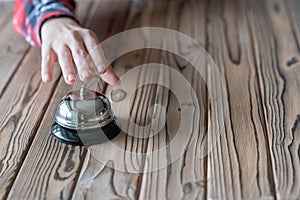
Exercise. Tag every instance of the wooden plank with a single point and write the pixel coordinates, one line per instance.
(59, 188)
(114, 183)
(117, 174)
(185, 177)
(112, 174)
(239, 167)
(117, 169)
(13, 48)
(49, 169)
(22, 106)
(292, 8)
(277, 55)
(260, 141)
(109, 17)
(6, 10)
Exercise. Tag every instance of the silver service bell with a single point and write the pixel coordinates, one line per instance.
(84, 117)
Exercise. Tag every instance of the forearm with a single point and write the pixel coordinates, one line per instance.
(29, 16)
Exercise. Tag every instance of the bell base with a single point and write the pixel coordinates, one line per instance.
(85, 137)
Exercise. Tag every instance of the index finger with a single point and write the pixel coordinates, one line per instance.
(96, 53)
(110, 77)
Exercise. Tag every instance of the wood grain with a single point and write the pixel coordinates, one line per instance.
(256, 46)
(239, 166)
(184, 177)
(292, 8)
(279, 77)
(6, 10)
(50, 167)
(13, 48)
(119, 174)
(25, 105)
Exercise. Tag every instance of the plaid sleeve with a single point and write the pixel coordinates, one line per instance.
(29, 16)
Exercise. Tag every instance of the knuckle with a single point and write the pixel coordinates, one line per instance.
(80, 58)
(64, 53)
(46, 60)
(66, 68)
(80, 52)
(91, 63)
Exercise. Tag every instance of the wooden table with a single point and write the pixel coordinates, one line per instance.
(256, 46)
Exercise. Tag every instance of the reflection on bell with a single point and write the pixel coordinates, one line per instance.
(84, 117)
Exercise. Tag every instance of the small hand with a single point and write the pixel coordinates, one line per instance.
(65, 41)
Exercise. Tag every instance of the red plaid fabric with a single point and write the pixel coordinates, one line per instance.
(29, 16)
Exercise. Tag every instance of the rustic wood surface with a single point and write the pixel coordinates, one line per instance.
(256, 46)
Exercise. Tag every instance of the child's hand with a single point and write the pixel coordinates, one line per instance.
(65, 41)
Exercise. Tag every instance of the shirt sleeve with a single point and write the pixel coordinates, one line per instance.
(29, 16)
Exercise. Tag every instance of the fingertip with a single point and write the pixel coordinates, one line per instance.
(86, 75)
(47, 63)
(46, 78)
(100, 69)
(118, 82)
(113, 82)
(70, 79)
(110, 77)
